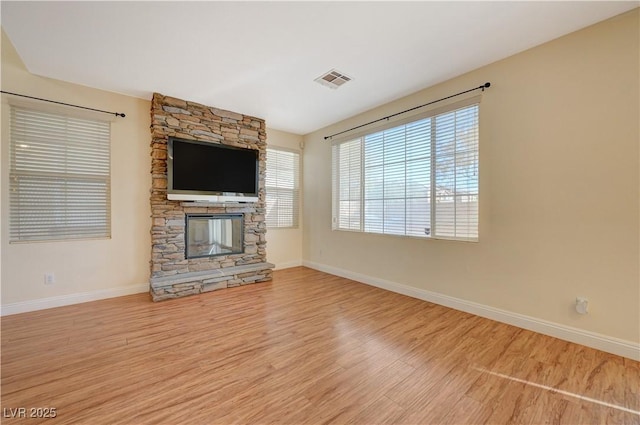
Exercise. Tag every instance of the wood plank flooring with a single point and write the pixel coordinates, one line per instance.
(307, 348)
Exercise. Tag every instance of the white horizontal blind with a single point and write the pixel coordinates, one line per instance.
(59, 177)
(347, 183)
(397, 180)
(456, 196)
(282, 186)
(417, 179)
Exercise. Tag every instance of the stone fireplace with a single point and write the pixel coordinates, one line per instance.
(199, 246)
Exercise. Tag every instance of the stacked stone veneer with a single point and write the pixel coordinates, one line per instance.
(172, 275)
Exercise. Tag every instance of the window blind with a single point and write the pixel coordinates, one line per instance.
(282, 186)
(456, 174)
(347, 166)
(59, 177)
(416, 179)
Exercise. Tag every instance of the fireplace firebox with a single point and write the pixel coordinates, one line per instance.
(210, 235)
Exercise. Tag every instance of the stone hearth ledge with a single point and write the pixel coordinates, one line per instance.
(179, 285)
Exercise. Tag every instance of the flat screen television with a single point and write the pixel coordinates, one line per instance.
(202, 171)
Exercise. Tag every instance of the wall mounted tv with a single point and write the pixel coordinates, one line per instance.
(202, 171)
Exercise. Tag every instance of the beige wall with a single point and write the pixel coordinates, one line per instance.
(83, 266)
(284, 246)
(559, 189)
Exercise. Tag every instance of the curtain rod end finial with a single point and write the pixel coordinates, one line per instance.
(487, 85)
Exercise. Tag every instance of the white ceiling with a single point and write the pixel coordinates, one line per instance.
(260, 58)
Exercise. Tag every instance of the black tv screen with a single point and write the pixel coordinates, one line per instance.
(203, 168)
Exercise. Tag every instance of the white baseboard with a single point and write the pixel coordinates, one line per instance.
(288, 264)
(62, 300)
(598, 341)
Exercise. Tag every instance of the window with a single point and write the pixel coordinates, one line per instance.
(417, 179)
(59, 177)
(282, 185)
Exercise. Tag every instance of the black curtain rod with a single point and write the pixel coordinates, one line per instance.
(117, 114)
(482, 87)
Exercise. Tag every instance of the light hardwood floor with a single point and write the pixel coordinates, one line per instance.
(307, 348)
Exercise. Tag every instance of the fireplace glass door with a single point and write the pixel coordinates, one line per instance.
(214, 234)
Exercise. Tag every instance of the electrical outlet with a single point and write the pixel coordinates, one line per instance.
(49, 278)
(582, 305)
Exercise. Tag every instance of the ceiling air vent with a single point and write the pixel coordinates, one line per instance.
(332, 79)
